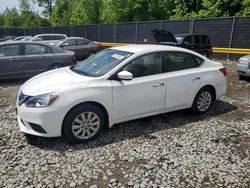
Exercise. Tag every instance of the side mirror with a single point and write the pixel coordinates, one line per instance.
(125, 75)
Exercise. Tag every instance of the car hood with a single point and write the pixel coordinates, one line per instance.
(161, 35)
(54, 81)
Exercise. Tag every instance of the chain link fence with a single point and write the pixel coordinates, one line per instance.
(229, 32)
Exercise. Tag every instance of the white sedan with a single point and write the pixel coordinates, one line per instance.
(116, 85)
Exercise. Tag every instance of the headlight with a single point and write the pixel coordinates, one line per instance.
(41, 101)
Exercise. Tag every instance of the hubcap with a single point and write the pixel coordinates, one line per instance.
(85, 125)
(204, 101)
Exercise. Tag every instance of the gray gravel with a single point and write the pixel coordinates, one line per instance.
(177, 149)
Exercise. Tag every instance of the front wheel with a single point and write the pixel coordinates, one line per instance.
(83, 123)
(203, 101)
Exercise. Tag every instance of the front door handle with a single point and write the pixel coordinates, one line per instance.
(159, 84)
(196, 78)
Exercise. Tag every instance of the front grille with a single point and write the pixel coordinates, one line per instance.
(22, 98)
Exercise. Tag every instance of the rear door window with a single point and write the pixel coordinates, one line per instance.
(36, 49)
(10, 50)
(70, 42)
(175, 61)
(82, 41)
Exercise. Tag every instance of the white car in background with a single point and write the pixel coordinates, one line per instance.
(49, 38)
(244, 66)
(116, 85)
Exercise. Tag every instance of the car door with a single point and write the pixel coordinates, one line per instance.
(145, 93)
(10, 63)
(84, 47)
(183, 77)
(69, 45)
(36, 58)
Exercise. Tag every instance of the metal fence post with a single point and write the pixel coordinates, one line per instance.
(99, 32)
(85, 31)
(191, 26)
(161, 24)
(115, 32)
(71, 31)
(231, 36)
(136, 32)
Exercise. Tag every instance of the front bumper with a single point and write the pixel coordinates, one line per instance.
(45, 122)
(243, 70)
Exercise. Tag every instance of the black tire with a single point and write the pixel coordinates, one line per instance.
(75, 116)
(241, 77)
(202, 106)
(55, 66)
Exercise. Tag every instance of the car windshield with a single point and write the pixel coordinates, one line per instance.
(101, 63)
(179, 39)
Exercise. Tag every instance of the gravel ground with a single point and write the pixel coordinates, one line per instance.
(177, 149)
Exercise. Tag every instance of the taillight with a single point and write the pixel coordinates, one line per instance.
(223, 71)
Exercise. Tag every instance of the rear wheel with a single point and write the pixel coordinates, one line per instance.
(203, 101)
(55, 66)
(83, 123)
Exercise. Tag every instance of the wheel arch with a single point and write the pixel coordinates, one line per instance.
(212, 88)
(99, 105)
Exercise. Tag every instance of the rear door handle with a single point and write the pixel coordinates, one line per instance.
(196, 78)
(159, 84)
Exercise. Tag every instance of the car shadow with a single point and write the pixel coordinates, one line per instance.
(137, 128)
(12, 82)
(247, 79)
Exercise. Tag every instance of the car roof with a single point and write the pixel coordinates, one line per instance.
(136, 48)
(75, 38)
(51, 34)
(190, 34)
(22, 42)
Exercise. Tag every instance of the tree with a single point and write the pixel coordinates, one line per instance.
(62, 13)
(245, 11)
(11, 18)
(47, 5)
(28, 17)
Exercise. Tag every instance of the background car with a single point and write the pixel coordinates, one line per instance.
(244, 66)
(21, 38)
(196, 42)
(49, 38)
(82, 47)
(6, 38)
(25, 59)
(117, 85)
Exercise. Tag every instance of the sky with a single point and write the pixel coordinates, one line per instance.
(14, 3)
